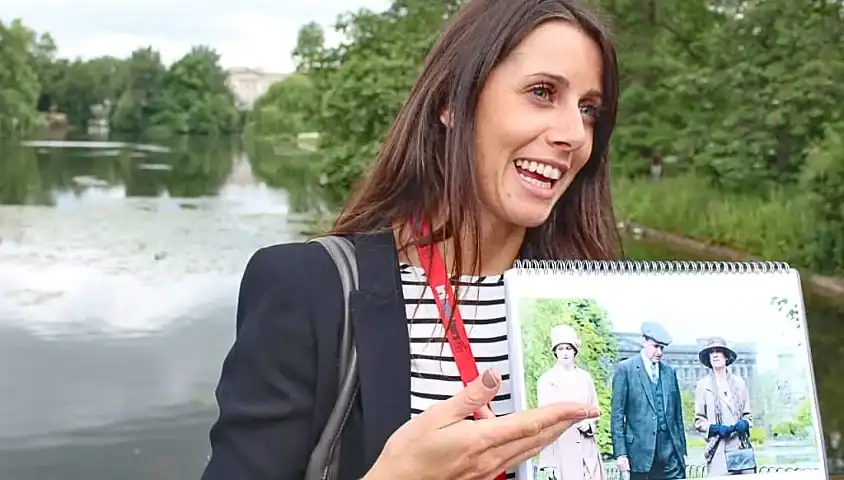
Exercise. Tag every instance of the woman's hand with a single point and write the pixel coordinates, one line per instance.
(441, 443)
(722, 431)
(742, 426)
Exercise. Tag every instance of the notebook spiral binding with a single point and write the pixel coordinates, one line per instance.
(649, 267)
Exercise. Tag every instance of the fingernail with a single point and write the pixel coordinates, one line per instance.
(490, 379)
(585, 413)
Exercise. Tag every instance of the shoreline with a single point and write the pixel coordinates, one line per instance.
(824, 285)
(827, 286)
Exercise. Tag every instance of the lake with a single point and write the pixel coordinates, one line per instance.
(119, 266)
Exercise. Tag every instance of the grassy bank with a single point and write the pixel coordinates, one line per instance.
(778, 227)
(774, 228)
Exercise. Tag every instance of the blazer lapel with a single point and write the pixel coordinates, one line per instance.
(647, 384)
(381, 337)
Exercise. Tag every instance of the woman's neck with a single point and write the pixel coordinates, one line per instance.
(499, 244)
(565, 366)
(720, 373)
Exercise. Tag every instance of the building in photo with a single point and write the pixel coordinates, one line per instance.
(684, 358)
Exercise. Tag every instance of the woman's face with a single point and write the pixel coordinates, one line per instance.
(565, 353)
(717, 359)
(535, 119)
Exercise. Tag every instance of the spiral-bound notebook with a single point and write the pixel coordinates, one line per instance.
(700, 369)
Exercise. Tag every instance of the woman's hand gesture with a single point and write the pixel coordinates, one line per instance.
(441, 443)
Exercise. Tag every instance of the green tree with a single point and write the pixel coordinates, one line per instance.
(142, 97)
(19, 86)
(598, 353)
(310, 47)
(767, 91)
(364, 80)
(75, 87)
(196, 97)
(657, 41)
(823, 181)
(735, 92)
(287, 109)
(43, 56)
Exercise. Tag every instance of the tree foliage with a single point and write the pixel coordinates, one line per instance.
(741, 94)
(800, 425)
(285, 110)
(136, 94)
(19, 85)
(189, 97)
(363, 81)
(598, 353)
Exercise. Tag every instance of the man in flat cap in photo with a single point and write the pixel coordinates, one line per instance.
(646, 418)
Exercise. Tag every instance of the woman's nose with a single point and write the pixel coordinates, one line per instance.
(567, 131)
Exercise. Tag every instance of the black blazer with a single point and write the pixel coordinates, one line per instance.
(279, 380)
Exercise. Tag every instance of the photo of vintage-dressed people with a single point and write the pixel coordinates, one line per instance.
(680, 397)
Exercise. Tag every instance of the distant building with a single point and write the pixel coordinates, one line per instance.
(684, 358)
(248, 84)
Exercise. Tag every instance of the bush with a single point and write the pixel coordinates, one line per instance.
(758, 436)
(773, 227)
(822, 181)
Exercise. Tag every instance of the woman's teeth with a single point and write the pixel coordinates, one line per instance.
(546, 171)
(535, 182)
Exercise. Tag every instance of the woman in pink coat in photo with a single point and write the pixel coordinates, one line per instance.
(574, 455)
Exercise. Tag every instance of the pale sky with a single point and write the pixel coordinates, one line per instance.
(689, 306)
(246, 33)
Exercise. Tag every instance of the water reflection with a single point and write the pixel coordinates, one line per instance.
(117, 296)
(53, 173)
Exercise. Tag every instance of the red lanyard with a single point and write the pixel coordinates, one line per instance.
(444, 296)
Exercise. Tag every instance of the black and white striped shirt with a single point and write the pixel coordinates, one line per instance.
(433, 371)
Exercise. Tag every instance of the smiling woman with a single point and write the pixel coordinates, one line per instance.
(499, 153)
(538, 120)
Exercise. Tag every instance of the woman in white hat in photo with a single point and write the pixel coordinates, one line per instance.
(574, 455)
(722, 411)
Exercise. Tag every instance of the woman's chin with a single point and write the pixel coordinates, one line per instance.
(528, 214)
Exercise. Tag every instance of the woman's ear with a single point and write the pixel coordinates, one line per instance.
(447, 118)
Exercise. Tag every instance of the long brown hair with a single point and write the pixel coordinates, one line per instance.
(424, 167)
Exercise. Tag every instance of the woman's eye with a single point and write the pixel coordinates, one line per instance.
(590, 110)
(541, 91)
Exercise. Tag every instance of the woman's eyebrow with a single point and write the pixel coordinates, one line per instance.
(565, 83)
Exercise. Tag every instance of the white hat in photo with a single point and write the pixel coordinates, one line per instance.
(564, 334)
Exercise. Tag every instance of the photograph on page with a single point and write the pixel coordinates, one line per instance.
(694, 386)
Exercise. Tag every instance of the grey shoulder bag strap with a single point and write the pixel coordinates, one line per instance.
(324, 463)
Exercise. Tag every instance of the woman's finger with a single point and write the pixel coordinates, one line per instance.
(485, 413)
(473, 397)
(531, 423)
(511, 454)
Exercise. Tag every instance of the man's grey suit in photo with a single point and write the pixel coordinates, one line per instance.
(646, 417)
